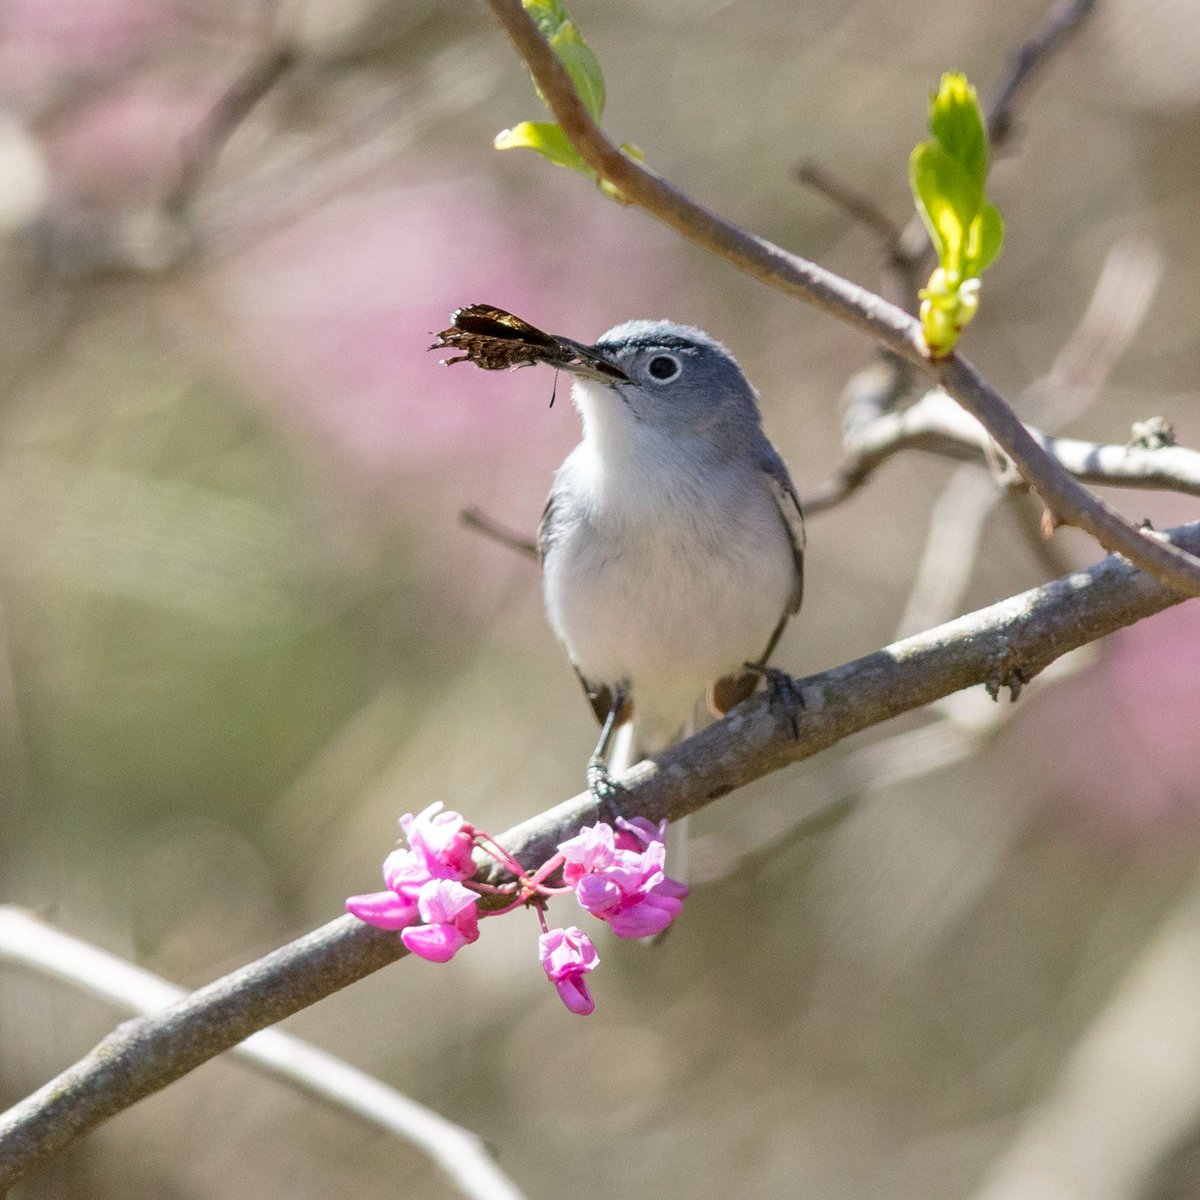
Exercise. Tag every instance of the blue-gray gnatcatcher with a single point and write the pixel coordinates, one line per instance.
(672, 542)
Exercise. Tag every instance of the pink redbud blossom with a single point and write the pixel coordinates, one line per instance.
(396, 908)
(439, 847)
(639, 833)
(591, 849)
(450, 920)
(567, 955)
(442, 841)
(619, 877)
(386, 910)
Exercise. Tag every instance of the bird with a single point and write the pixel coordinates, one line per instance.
(672, 543)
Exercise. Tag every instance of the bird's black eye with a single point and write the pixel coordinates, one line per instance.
(664, 367)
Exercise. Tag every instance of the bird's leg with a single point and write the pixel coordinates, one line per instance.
(604, 788)
(784, 694)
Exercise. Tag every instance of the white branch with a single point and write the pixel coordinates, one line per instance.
(27, 942)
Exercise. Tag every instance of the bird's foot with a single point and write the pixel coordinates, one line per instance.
(784, 694)
(606, 791)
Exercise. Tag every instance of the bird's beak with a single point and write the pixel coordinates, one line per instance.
(590, 362)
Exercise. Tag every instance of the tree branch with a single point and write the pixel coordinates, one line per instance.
(862, 209)
(936, 424)
(480, 522)
(1006, 644)
(1061, 21)
(1070, 502)
(203, 148)
(32, 944)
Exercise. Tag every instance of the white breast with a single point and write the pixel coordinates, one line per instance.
(664, 578)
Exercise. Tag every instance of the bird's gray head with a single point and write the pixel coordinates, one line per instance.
(664, 376)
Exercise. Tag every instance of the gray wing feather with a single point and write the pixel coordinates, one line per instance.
(788, 504)
(724, 693)
(599, 696)
(547, 528)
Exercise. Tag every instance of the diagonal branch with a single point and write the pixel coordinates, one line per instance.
(203, 148)
(1063, 19)
(1003, 645)
(1070, 502)
(476, 519)
(27, 942)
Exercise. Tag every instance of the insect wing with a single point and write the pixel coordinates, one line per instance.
(485, 321)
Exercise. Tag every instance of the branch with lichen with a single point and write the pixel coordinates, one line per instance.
(936, 424)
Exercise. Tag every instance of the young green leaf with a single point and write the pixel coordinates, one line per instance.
(948, 176)
(957, 124)
(984, 240)
(547, 139)
(576, 55)
(556, 26)
(946, 200)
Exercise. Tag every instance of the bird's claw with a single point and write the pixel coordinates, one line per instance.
(606, 791)
(783, 693)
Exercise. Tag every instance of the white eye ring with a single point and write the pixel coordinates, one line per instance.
(664, 367)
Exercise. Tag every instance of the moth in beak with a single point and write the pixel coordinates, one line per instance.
(496, 340)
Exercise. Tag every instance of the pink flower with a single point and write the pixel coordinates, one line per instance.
(385, 910)
(396, 908)
(450, 920)
(442, 841)
(619, 877)
(440, 845)
(639, 833)
(567, 955)
(591, 849)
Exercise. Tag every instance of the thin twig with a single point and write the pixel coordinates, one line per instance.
(936, 424)
(477, 519)
(32, 944)
(204, 146)
(1070, 502)
(854, 203)
(1006, 644)
(1063, 19)
(903, 275)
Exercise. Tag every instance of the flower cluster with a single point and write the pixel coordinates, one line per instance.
(620, 878)
(425, 898)
(616, 874)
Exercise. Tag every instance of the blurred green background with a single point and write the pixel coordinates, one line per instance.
(242, 629)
